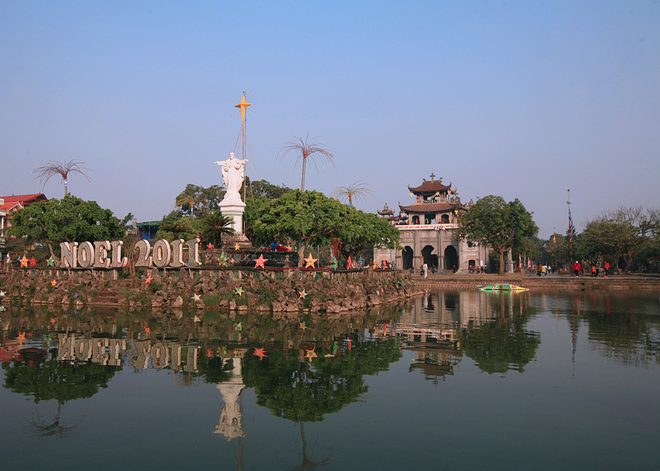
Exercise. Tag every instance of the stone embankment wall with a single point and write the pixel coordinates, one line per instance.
(545, 283)
(283, 290)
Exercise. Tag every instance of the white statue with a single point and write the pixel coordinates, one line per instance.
(233, 174)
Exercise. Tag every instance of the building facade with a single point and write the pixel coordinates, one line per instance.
(428, 232)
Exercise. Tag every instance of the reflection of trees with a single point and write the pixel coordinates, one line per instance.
(304, 392)
(627, 338)
(497, 347)
(45, 378)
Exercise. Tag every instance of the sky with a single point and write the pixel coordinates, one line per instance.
(521, 99)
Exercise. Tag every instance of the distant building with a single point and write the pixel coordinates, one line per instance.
(9, 205)
(428, 232)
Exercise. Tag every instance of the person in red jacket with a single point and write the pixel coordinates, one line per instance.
(576, 268)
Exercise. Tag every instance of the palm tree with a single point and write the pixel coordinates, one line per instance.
(305, 149)
(186, 199)
(52, 168)
(215, 226)
(357, 190)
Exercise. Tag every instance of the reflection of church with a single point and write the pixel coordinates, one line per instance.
(428, 232)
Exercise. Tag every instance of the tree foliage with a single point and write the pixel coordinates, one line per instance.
(314, 219)
(628, 234)
(198, 201)
(214, 226)
(494, 222)
(70, 219)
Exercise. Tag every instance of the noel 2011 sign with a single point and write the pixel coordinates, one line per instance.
(108, 254)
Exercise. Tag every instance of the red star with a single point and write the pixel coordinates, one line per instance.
(148, 281)
(310, 354)
(260, 352)
(260, 262)
(210, 246)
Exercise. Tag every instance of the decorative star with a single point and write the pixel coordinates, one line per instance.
(196, 297)
(53, 320)
(302, 294)
(2, 308)
(24, 262)
(148, 281)
(33, 262)
(237, 247)
(51, 261)
(260, 262)
(2, 294)
(53, 283)
(210, 246)
(147, 329)
(310, 261)
(329, 355)
(310, 354)
(21, 337)
(76, 296)
(223, 260)
(239, 291)
(197, 319)
(238, 326)
(243, 105)
(260, 352)
(302, 325)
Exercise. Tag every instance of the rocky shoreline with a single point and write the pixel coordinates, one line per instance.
(265, 291)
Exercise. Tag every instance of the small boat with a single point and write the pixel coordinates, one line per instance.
(501, 287)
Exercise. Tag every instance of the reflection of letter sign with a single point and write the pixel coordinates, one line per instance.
(163, 254)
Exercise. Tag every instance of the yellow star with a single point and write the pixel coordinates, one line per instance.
(196, 297)
(53, 283)
(24, 262)
(309, 261)
(237, 247)
(302, 325)
(302, 294)
(239, 291)
(243, 105)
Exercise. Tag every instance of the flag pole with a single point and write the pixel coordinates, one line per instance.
(570, 226)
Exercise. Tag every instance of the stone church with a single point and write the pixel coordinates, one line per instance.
(428, 232)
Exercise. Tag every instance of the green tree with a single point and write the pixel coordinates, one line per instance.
(176, 226)
(67, 220)
(494, 222)
(304, 149)
(215, 225)
(315, 219)
(198, 201)
(628, 234)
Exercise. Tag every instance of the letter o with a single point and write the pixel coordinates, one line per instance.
(86, 254)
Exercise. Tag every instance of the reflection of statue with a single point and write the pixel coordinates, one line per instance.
(231, 418)
(233, 174)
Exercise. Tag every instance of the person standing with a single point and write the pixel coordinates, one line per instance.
(606, 268)
(576, 268)
(425, 269)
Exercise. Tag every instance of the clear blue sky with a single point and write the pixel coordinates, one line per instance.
(522, 99)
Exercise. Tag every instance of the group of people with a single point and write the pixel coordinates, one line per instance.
(595, 269)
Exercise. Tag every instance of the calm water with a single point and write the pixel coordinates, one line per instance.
(456, 380)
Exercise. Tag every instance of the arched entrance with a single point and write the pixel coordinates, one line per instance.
(451, 259)
(429, 257)
(407, 257)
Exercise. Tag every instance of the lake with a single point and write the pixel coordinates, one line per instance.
(453, 380)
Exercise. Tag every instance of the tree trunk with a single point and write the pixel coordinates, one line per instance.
(501, 252)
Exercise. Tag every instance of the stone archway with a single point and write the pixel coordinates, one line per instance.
(430, 258)
(451, 259)
(407, 258)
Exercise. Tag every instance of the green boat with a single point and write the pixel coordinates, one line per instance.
(502, 287)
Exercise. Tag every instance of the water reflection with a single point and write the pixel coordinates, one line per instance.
(306, 369)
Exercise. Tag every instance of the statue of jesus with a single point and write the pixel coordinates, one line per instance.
(233, 174)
